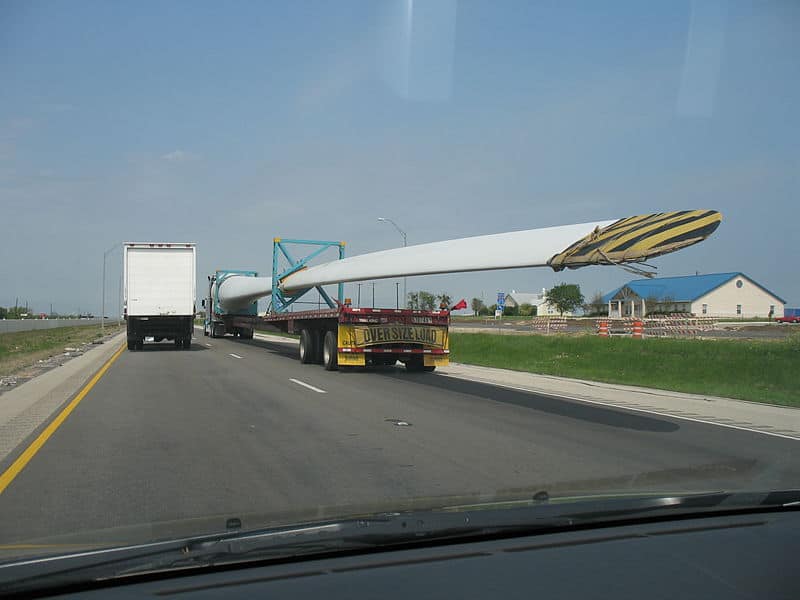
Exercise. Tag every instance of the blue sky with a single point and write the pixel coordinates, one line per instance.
(230, 123)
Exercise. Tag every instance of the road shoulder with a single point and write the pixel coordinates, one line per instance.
(764, 418)
(26, 408)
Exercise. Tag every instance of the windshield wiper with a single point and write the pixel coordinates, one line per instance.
(375, 531)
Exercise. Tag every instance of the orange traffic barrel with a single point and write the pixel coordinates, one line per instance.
(602, 329)
(638, 329)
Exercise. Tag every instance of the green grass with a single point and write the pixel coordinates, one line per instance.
(21, 348)
(749, 370)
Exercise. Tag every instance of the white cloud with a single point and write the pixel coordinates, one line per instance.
(179, 156)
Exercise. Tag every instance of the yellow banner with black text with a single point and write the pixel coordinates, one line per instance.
(357, 336)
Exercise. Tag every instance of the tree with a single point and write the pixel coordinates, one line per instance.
(3, 312)
(595, 307)
(652, 306)
(477, 305)
(510, 311)
(485, 311)
(444, 299)
(527, 310)
(564, 297)
(413, 300)
(427, 301)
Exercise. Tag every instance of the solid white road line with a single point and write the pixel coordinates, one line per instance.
(305, 385)
(234, 355)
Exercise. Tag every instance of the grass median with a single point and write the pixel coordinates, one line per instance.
(21, 348)
(749, 370)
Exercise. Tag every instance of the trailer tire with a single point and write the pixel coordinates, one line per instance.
(307, 347)
(319, 341)
(246, 334)
(330, 358)
(416, 365)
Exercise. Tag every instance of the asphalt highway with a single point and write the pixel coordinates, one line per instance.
(171, 441)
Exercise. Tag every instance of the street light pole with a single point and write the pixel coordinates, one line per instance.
(103, 302)
(405, 243)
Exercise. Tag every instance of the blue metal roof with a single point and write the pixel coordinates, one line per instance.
(681, 289)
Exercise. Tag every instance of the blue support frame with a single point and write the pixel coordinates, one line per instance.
(280, 301)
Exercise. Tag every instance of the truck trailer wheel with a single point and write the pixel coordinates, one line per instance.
(330, 358)
(417, 365)
(307, 347)
(318, 335)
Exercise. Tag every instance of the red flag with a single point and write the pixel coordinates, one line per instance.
(461, 305)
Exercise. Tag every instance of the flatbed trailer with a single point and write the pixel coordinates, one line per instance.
(346, 337)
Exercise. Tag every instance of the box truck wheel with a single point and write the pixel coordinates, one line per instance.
(307, 349)
(329, 357)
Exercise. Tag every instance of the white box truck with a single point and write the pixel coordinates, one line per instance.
(159, 292)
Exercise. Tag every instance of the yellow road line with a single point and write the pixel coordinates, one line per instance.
(24, 458)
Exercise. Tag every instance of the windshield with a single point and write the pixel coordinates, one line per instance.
(247, 283)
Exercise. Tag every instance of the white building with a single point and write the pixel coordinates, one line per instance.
(714, 295)
(543, 309)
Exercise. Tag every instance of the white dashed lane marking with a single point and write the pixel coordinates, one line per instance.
(305, 385)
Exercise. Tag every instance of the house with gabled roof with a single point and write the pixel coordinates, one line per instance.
(714, 295)
(515, 298)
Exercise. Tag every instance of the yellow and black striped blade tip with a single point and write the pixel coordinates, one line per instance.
(635, 239)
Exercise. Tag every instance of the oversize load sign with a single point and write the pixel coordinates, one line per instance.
(435, 337)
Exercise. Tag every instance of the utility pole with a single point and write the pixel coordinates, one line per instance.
(373, 294)
(397, 294)
(405, 243)
(358, 303)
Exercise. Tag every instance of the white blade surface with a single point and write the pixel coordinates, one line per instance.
(236, 292)
(516, 249)
(632, 239)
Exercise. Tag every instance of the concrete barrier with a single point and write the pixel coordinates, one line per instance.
(13, 325)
